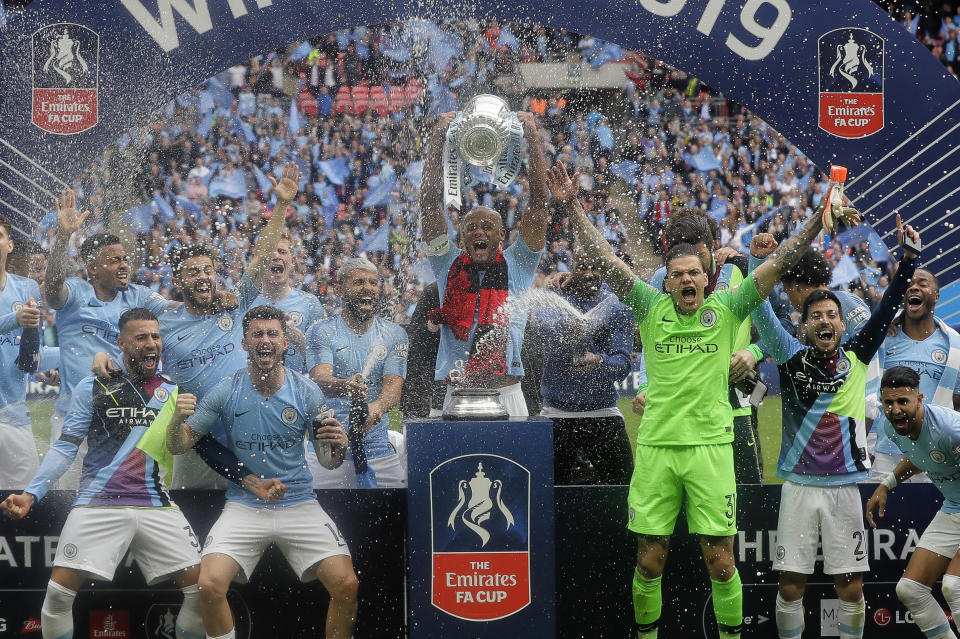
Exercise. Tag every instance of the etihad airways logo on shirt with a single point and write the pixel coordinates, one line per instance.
(685, 344)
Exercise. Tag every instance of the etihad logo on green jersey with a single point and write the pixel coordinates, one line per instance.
(682, 344)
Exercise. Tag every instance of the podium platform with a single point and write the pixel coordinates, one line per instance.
(480, 529)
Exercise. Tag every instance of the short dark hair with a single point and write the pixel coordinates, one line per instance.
(180, 255)
(135, 313)
(818, 296)
(812, 269)
(936, 281)
(900, 377)
(25, 247)
(689, 227)
(683, 249)
(263, 312)
(7, 224)
(93, 244)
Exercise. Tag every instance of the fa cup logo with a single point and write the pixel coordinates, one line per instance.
(478, 509)
(850, 57)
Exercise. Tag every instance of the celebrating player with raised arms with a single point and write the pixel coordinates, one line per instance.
(929, 437)
(684, 453)
(823, 452)
(267, 409)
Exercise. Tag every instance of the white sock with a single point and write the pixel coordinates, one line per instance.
(951, 592)
(789, 616)
(189, 623)
(850, 617)
(927, 613)
(56, 615)
(230, 635)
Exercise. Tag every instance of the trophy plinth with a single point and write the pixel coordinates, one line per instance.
(484, 128)
(475, 404)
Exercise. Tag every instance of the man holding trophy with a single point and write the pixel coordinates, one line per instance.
(481, 320)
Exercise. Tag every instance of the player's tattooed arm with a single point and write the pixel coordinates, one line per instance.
(69, 221)
(180, 437)
(787, 254)
(285, 190)
(616, 273)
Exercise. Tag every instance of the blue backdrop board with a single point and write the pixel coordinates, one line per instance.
(480, 532)
(839, 79)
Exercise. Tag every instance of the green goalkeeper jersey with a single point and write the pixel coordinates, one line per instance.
(688, 364)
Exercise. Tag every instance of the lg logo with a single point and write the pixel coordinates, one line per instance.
(882, 617)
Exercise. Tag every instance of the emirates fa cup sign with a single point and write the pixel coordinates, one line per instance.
(65, 78)
(481, 558)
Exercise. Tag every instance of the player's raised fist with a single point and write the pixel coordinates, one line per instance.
(762, 245)
(186, 406)
(17, 506)
(29, 315)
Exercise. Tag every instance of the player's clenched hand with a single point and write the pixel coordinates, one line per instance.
(741, 363)
(103, 366)
(640, 403)
(906, 236)
(186, 406)
(357, 388)
(29, 315)
(762, 245)
(17, 506)
(877, 500)
(269, 490)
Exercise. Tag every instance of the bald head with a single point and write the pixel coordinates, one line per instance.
(481, 232)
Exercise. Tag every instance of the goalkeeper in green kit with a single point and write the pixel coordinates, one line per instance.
(684, 453)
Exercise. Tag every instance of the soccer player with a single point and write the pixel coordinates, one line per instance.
(929, 436)
(303, 309)
(823, 452)
(360, 357)
(201, 338)
(691, 227)
(267, 409)
(122, 503)
(18, 310)
(87, 310)
(478, 325)
(923, 342)
(683, 452)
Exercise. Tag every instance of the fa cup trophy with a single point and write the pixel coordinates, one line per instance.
(486, 135)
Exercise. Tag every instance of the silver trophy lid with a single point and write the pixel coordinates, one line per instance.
(475, 404)
(483, 131)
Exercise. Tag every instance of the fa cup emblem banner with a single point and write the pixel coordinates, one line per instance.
(480, 507)
(851, 82)
(65, 78)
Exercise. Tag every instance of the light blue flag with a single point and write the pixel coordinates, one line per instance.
(845, 271)
(203, 128)
(232, 186)
(863, 232)
(206, 179)
(189, 207)
(507, 39)
(301, 52)
(705, 160)
(329, 205)
(379, 240)
(140, 217)
(263, 183)
(242, 128)
(163, 208)
(336, 169)
(294, 124)
(381, 194)
(414, 172)
(221, 94)
(626, 170)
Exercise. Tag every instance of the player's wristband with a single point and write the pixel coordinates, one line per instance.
(756, 352)
(642, 389)
(890, 481)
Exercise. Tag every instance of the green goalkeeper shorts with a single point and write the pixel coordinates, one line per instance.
(700, 478)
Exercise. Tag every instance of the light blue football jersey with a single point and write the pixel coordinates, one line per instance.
(87, 326)
(382, 350)
(936, 451)
(265, 433)
(13, 383)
